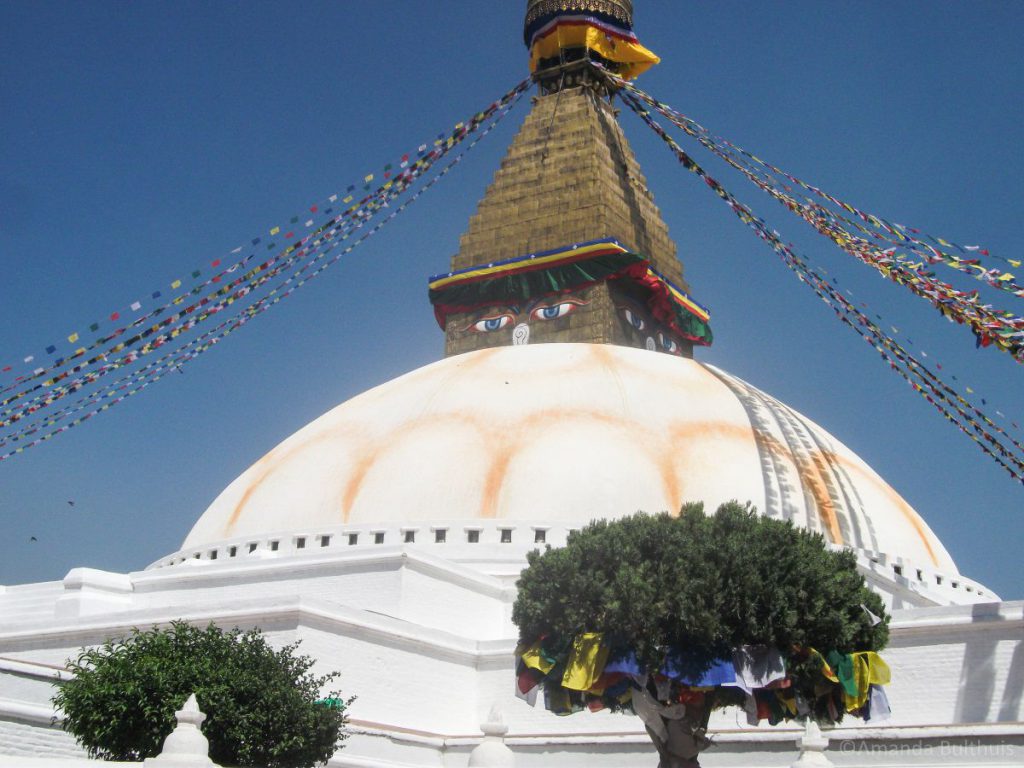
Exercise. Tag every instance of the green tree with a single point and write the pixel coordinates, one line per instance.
(687, 591)
(264, 707)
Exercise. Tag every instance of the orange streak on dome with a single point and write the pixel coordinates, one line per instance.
(550, 418)
(495, 479)
(279, 457)
(899, 502)
(914, 519)
(365, 458)
(263, 473)
(363, 462)
(811, 478)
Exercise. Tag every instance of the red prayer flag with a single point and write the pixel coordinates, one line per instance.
(115, 315)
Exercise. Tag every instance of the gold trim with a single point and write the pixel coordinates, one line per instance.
(620, 9)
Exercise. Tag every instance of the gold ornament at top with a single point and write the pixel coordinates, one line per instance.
(618, 9)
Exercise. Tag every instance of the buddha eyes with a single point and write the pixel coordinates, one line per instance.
(491, 324)
(497, 322)
(634, 319)
(554, 311)
(668, 344)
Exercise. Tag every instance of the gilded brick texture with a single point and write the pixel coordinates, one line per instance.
(568, 177)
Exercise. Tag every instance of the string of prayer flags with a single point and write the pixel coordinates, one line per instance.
(370, 205)
(1001, 329)
(892, 231)
(316, 261)
(588, 673)
(967, 418)
(324, 207)
(938, 365)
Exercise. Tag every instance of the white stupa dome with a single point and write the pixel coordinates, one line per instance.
(562, 434)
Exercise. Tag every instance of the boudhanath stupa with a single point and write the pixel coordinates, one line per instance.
(387, 535)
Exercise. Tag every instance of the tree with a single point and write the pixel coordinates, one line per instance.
(652, 614)
(263, 706)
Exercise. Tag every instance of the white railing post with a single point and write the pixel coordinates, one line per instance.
(185, 746)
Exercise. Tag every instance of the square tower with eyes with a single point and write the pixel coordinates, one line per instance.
(568, 177)
(605, 313)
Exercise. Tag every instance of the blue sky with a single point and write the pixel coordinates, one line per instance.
(138, 141)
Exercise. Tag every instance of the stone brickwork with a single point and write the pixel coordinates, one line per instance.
(568, 177)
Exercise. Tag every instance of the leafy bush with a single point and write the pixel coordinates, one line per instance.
(261, 704)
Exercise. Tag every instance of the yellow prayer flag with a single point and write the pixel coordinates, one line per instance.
(275, 230)
(369, 177)
(868, 669)
(826, 670)
(176, 284)
(586, 661)
(532, 658)
(73, 338)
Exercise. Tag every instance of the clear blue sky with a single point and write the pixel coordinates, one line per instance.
(140, 140)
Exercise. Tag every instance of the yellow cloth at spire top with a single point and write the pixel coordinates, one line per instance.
(614, 44)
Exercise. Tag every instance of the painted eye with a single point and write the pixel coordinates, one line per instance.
(491, 324)
(554, 311)
(634, 319)
(668, 344)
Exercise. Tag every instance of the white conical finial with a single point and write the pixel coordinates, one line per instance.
(812, 746)
(186, 746)
(492, 752)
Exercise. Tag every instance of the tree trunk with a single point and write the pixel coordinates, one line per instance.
(680, 740)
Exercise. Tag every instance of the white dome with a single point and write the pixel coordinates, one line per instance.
(565, 433)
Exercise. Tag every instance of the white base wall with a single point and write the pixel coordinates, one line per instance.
(426, 645)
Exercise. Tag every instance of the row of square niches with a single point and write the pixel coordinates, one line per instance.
(921, 577)
(405, 536)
